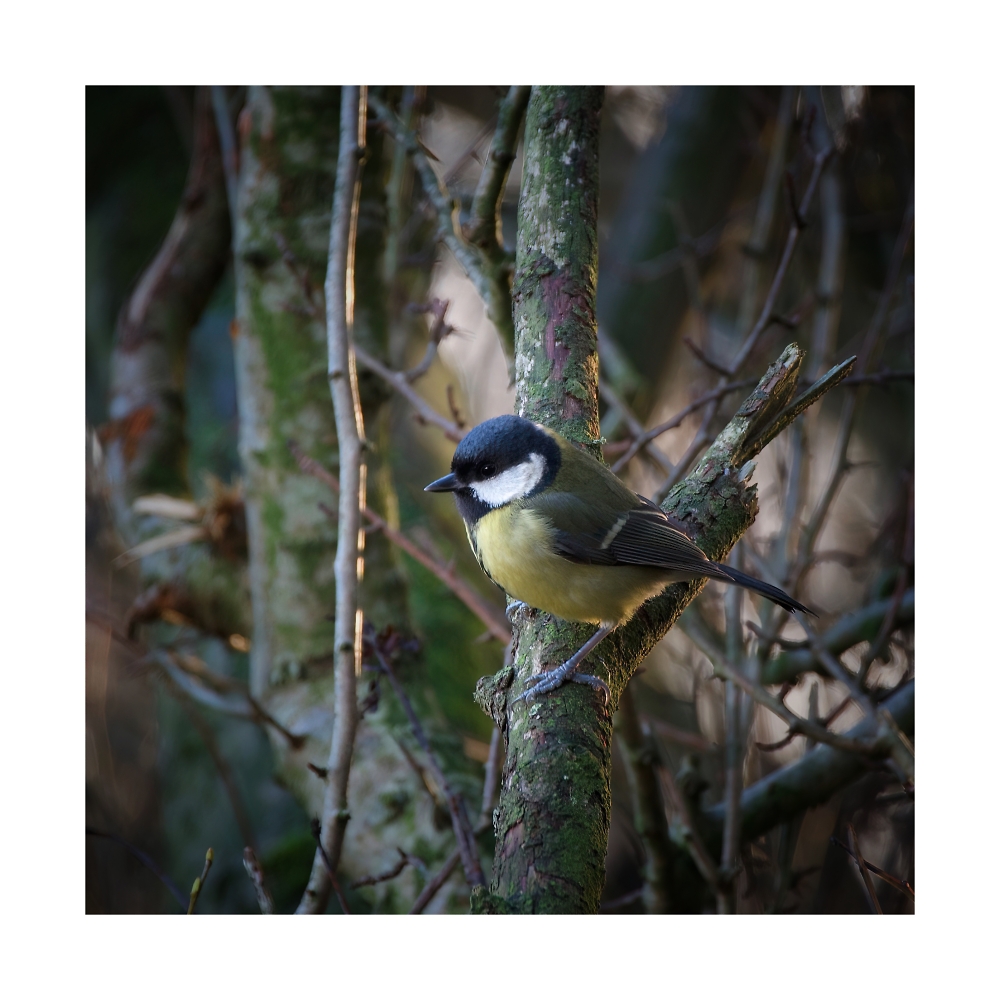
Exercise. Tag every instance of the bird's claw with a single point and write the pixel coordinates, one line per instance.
(513, 608)
(552, 679)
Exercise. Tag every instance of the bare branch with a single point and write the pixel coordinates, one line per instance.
(901, 884)
(401, 384)
(484, 228)
(464, 834)
(866, 879)
(492, 282)
(702, 437)
(256, 874)
(350, 540)
(491, 617)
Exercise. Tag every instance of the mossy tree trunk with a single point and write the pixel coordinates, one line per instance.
(553, 819)
(289, 140)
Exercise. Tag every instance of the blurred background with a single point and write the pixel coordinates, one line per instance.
(193, 743)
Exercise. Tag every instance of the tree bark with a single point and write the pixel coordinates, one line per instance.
(289, 143)
(553, 819)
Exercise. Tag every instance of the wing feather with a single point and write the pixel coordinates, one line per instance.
(605, 535)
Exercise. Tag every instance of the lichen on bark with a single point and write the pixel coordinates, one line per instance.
(553, 819)
(288, 162)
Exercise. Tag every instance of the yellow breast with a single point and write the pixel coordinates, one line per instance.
(514, 547)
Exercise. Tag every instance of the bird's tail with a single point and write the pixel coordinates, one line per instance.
(729, 575)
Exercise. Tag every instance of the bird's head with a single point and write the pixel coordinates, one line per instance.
(499, 461)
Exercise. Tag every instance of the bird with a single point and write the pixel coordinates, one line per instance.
(560, 532)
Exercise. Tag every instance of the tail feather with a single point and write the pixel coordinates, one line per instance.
(776, 594)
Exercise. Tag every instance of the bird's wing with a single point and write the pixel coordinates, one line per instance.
(604, 534)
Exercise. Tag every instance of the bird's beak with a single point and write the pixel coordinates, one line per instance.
(446, 484)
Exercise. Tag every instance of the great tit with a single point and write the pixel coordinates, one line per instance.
(558, 531)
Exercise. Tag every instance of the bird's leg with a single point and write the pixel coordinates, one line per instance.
(551, 679)
(513, 608)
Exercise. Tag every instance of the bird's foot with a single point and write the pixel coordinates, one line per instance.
(552, 679)
(513, 608)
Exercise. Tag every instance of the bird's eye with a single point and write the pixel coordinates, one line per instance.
(486, 470)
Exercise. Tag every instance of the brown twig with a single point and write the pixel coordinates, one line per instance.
(404, 860)
(490, 617)
(766, 316)
(430, 890)
(400, 383)
(439, 330)
(901, 884)
(868, 354)
(678, 418)
(256, 875)
(688, 832)
(855, 852)
(483, 228)
(464, 834)
(316, 830)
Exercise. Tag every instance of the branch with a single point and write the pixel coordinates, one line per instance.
(858, 626)
(867, 356)
(901, 884)
(464, 835)
(487, 279)
(809, 781)
(701, 438)
(350, 541)
(256, 875)
(491, 617)
(484, 228)
(401, 384)
(491, 778)
(866, 879)
(647, 806)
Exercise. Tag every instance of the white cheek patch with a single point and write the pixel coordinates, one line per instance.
(511, 484)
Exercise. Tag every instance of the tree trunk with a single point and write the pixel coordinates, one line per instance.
(289, 139)
(553, 819)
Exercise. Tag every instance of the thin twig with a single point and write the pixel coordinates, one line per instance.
(702, 436)
(492, 618)
(678, 418)
(901, 884)
(464, 834)
(491, 779)
(855, 852)
(867, 356)
(484, 227)
(493, 287)
(688, 832)
(387, 876)
(199, 882)
(348, 564)
(143, 858)
(256, 875)
(400, 383)
(315, 828)
(635, 428)
(430, 890)
(734, 750)
(207, 734)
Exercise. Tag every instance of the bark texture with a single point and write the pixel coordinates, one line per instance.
(145, 440)
(553, 819)
(289, 142)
